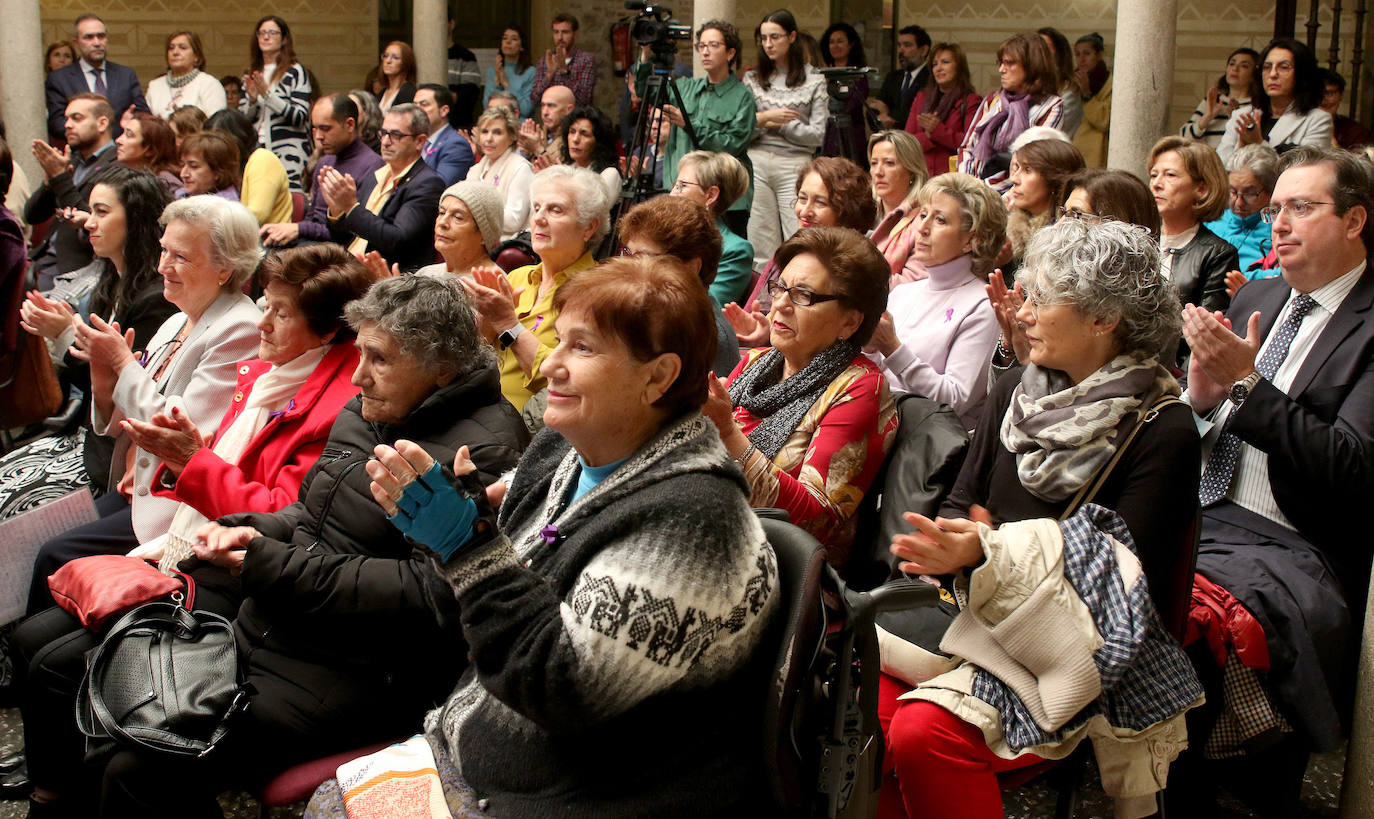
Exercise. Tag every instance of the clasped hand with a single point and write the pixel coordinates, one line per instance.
(442, 512)
(940, 546)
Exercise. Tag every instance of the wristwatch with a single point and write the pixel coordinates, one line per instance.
(508, 336)
(1241, 389)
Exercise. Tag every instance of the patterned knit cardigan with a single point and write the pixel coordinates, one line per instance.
(288, 106)
(611, 638)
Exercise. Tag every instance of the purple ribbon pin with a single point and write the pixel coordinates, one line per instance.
(549, 534)
(949, 314)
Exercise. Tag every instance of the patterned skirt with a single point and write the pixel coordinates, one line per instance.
(328, 803)
(42, 471)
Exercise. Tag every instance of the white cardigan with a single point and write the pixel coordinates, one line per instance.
(1312, 128)
(201, 376)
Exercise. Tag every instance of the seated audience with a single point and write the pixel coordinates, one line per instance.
(1029, 96)
(186, 81)
(1097, 194)
(943, 110)
(210, 165)
(1189, 184)
(678, 227)
(569, 216)
(233, 90)
(285, 404)
(539, 139)
(1040, 170)
(510, 102)
(830, 192)
(186, 121)
(938, 332)
(265, 189)
(149, 144)
(1286, 412)
(717, 179)
(898, 170)
(123, 209)
(67, 181)
(587, 138)
(467, 230)
(1287, 107)
(334, 120)
(809, 418)
(1234, 92)
(1094, 85)
(446, 151)
(1251, 172)
(628, 476)
(392, 210)
(369, 118)
(1099, 319)
(1345, 132)
(339, 616)
(504, 168)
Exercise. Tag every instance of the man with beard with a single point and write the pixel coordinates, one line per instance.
(900, 86)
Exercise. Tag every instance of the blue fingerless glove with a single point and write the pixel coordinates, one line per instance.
(436, 514)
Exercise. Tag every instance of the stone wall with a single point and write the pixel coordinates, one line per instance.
(336, 39)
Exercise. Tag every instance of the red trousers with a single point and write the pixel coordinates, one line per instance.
(942, 766)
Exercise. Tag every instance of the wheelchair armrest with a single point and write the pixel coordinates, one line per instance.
(909, 595)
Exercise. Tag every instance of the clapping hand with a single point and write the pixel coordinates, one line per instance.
(442, 512)
(171, 437)
(940, 546)
(1234, 281)
(43, 316)
(1005, 305)
(376, 265)
(340, 191)
(53, 162)
(1220, 358)
(884, 339)
(751, 327)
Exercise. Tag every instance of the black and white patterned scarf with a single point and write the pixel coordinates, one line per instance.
(782, 403)
(1062, 433)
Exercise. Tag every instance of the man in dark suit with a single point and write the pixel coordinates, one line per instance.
(91, 74)
(900, 86)
(68, 177)
(446, 151)
(392, 210)
(1288, 403)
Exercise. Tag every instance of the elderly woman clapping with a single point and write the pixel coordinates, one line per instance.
(809, 418)
(625, 506)
(337, 631)
(569, 215)
(209, 249)
(1098, 318)
(466, 229)
(939, 332)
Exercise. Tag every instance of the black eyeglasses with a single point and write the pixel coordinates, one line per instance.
(799, 296)
(394, 136)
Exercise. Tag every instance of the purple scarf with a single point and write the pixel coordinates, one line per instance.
(997, 132)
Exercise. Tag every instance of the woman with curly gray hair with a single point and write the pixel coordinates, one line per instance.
(337, 627)
(1099, 318)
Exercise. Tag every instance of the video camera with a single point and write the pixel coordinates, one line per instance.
(654, 27)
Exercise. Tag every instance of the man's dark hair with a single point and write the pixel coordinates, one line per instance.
(442, 96)
(343, 108)
(1351, 183)
(230, 79)
(922, 38)
(564, 17)
(1334, 78)
(88, 16)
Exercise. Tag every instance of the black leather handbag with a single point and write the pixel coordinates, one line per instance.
(165, 679)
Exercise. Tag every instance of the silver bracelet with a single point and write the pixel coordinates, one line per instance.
(743, 457)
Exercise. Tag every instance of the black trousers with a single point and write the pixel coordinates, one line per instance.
(111, 534)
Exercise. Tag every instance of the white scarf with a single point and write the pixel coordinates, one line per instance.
(271, 392)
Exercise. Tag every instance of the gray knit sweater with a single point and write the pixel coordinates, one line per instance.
(612, 639)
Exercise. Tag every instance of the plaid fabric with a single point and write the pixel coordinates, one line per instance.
(1146, 677)
(580, 76)
(1247, 711)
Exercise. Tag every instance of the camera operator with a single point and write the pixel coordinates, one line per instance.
(720, 108)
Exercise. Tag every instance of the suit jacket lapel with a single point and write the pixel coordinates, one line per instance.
(1284, 127)
(1352, 313)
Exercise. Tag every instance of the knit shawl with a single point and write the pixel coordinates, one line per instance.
(782, 402)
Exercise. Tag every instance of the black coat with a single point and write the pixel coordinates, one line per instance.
(334, 585)
(403, 232)
(1199, 270)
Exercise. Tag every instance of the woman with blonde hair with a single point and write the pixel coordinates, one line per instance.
(503, 167)
(1191, 187)
(717, 180)
(898, 170)
(938, 333)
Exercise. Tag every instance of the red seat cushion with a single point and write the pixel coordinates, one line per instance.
(295, 784)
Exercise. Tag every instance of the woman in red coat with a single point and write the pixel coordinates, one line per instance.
(943, 111)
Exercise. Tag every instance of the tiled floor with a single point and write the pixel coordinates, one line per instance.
(1321, 792)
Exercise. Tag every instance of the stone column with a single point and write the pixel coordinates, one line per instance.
(705, 10)
(1143, 81)
(430, 20)
(1357, 786)
(21, 88)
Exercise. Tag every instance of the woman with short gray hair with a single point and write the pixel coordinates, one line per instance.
(1250, 173)
(1094, 407)
(430, 319)
(569, 215)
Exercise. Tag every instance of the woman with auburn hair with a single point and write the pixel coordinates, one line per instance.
(1191, 187)
(790, 115)
(1028, 96)
(186, 81)
(149, 144)
(277, 95)
(57, 55)
(393, 80)
(830, 192)
(942, 112)
(1040, 170)
(210, 164)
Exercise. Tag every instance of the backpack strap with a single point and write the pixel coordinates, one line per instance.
(1090, 489)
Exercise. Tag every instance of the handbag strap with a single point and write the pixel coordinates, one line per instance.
(1089, 490)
